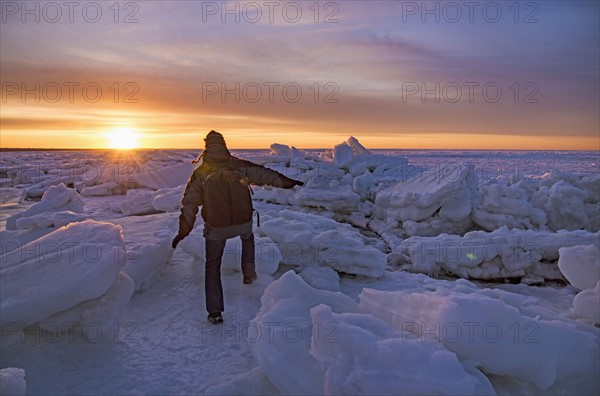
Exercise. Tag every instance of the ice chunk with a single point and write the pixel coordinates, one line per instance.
(12, 382)
(75, 263)
(285, 325)
(501, 205)
(357, 148)
(359, 354)
(570, 201)
(364, 186)
(280, 149)
(494, 336)
(342, 155)
(323, 278)
(49, 220)
(168, 199)
(57, 198)
(307, 240)
(580, 265)
(587, 304)
(337, 198)
(108, 188)
(138, 202)
(148, 243)
(431, 203)
(380, 165)
(165, 177)
(502, 253)
(99, 313)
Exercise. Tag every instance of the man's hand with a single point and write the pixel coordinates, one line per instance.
(177, 239)
(290, 183)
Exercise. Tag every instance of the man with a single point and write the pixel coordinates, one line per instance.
(221, 186)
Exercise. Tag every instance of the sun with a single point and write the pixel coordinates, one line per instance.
(122, 138)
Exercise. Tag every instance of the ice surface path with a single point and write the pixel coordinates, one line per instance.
(164, 346)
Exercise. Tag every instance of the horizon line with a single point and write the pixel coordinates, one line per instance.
(14, 149)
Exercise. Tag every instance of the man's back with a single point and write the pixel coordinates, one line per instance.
(226, 193)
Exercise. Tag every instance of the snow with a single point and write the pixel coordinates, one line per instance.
(254, 382)
(12, 382)
(90, 285)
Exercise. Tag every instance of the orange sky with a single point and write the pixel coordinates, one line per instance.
(391, 81)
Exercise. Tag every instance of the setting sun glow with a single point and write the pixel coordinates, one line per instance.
(122, 138)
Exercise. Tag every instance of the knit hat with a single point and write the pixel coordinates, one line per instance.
(214, 138)
(216, 149)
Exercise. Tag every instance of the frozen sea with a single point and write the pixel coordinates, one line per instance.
(389, 272)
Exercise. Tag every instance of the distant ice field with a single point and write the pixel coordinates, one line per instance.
(490, 163)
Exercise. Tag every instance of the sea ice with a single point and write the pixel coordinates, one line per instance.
(73, 264)
(57, 198)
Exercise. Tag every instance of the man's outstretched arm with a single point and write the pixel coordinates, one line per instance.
(259, 175)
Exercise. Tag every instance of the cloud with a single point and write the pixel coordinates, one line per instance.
(368, 58)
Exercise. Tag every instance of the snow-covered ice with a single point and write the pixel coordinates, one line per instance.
(357, 289)
(323, 278)
(147, 245)
(365, 356)
(499, 254)
(581, 266)
(12, 381)
(306, 240)
(56, 199)
(488, 333)
(75, 263)
(428, 205)
(586, 304)
(286, 328)
(167, 177)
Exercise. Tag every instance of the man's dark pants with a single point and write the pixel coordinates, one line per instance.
(212, 278)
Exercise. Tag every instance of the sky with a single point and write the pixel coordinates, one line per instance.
(394, 74)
